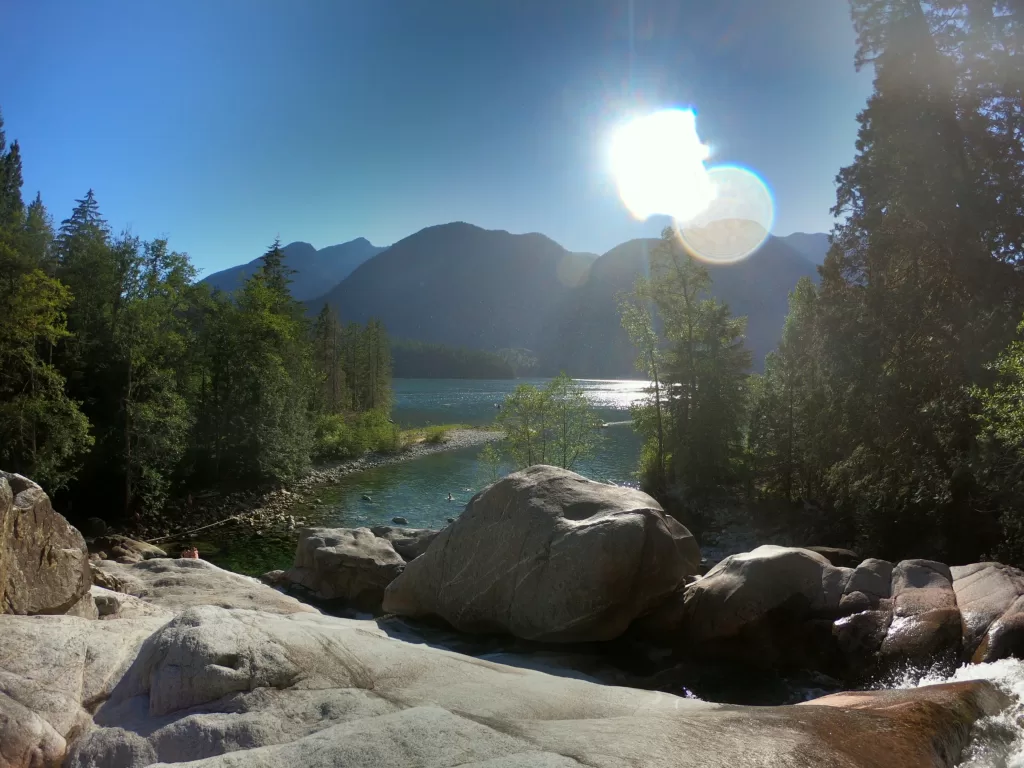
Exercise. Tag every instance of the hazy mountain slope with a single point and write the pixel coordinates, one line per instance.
(586, 338)
(811, 246)
(461, 285)
(315, 270)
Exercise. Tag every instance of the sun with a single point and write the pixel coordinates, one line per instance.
(721, 213)
(658, 164)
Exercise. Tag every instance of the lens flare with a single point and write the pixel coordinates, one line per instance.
(737, 220)
(658, 163)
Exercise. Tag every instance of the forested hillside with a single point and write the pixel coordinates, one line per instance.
(124, 381)
(891, 415)
(587, 339)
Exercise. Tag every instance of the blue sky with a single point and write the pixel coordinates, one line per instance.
(224, 123)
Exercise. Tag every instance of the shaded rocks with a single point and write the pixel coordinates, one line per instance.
(44, 564)
(399, 521)
(124, 549)
(773, 605)
(925, 619)
(990, 597)
(843, 558)
(545, 554)
(409, 543)
(348, 564)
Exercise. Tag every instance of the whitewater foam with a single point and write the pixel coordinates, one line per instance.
(997, 741)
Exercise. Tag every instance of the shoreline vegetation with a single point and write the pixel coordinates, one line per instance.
(269, 507)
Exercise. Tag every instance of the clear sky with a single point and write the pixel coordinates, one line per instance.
(224, 123)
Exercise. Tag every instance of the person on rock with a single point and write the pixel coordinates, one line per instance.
(190, 553)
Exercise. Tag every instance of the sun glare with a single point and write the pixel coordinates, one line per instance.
(722, 213)
(658, 163)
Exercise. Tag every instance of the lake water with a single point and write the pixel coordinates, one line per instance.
(418, 489)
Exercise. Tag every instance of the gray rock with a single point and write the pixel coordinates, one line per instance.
(176, 584)
(409, 543)
(349, 564)
(842, 558)
(399, 521)
(218, 688)
(926, 621)
(44, 564)
(117, 546)
(545, 554)
(989, 596)
(736, 596)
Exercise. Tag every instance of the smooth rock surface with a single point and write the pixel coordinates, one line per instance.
(349, 564)
(759, 606)
(545, 554)
(990, 597)
(44, 563)
(216, 688)
(926, 621)
(176, 584)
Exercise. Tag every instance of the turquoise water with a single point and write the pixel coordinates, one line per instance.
(418, 489)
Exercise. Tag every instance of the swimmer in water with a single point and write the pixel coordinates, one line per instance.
(450, 496)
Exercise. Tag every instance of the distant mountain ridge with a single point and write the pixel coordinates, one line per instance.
(466, 287)
(463, 286)
(587, 338)
(813, 246)
(314, 270)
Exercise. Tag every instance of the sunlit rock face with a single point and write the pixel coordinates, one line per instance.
(546, 554)
(44, 564)
(217, 687)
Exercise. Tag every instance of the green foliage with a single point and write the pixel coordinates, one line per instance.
(340, 436)
(436, 435)
(556, 424)
(490, 460)
(695, 411)
(869, 407)
(118, 372)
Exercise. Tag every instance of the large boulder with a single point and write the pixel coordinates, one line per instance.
(990, 597)
(773, 605)
(44, 563)
(925, 619)
(546, 554)
(348, 564)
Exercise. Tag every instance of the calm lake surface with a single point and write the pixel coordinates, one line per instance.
(418, 489)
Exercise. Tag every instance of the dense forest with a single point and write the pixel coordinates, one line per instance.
(420, 360)
(124, 381)
(891, 415)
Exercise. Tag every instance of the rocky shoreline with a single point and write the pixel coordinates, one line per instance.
(261, 510)
(541, 627)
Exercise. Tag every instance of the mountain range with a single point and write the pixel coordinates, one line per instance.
(314, 270)
(462, 286)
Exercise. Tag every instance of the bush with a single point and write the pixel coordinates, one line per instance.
(339, 436)
(436, 435)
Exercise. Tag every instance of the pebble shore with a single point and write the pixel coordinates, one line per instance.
(271, 508)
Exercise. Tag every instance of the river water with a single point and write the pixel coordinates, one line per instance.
(418, 489)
